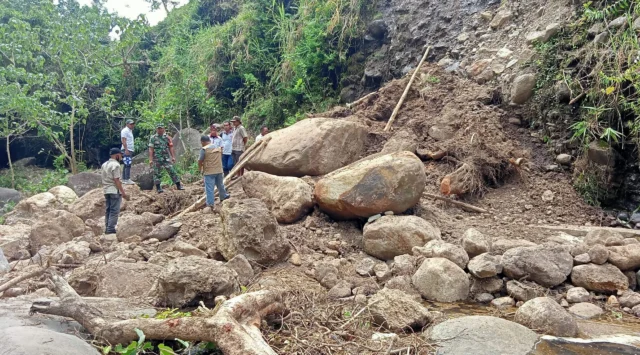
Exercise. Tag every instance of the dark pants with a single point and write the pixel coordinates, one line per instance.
(126, 172)
(227, 163)
(236, 159)
(112, 210)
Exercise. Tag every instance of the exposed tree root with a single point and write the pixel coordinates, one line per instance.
(234, 327)
(21, 278)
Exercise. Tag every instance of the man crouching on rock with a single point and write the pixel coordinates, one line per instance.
(210, 164)
(113, 190)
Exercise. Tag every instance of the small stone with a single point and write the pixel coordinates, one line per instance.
(360, 299)
(548, 196)
(629, 299)
(563, 159)
(524, 290)
(220, 299)
(333, 253)
(404, 265)
(389, 213)
(501, 18)
(503, 302)
(463, 37)
(475, 243)
(484, 298)
(374, 218)
(382, 272)
(340, 290)
(384, 336)
(547, 316)
(515, 121)
(365, 267)
(598, 254)
(485, 265)
(511, 63)
(578, 295)
(504, 53)
(601, 38)
(585, 310)
(618, 22)
(295, 259)
(330, 281)
(612, 301)
(486, 15)
(581, 259)
(564, 303)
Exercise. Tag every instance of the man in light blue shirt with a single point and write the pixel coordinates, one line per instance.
(126, 136)
(227, 146)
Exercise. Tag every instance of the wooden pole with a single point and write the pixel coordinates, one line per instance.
(252, 151)
(464, 206)
(406, 91)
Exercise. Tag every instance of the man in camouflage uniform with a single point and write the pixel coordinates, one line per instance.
(161, 156)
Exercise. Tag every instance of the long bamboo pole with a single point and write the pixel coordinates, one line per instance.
(406, 91)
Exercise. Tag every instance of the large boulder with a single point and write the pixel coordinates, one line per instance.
(441, 249)
(314, 146)
(522, 88)
(34, 340)
(9, 196)
(547, 265)
(398, 311)
(142, 174)
(251, 230)
(189, 280)
(625, 257)
(391, 236)
(116, 279)
(84, 182)
(547, 316)
(441, 280)
(401, 141)
(29, 210)
(475, 243)
(482, 335)
(485, 265)
(64, 194)
(500, 246)
(379, 183)
(288, 198)
(133, 224)
(14, 241)
(599, 278)
(55, 227)
(72, 252)
(91, 205)
(186, 141)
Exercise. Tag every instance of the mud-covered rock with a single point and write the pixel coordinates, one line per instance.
(379, 183)
(401, 141)
(241, 266)
(598, 254)
(186, 281)
(522, 88)
(84, 182)
(475, 243)
(73, 252)
(546, 265)
(29, 210)
(54, 228)
(441, 249)
(63, 194)
(398, 311)
(599, 278)
(130, 225)
(441, 280)
(251, 230)
(547, 316)
(485, 265)
(404, 265)
(115, 279)
(14, 241)
(391, 236)
(585, 310)
(162, 231)
(578, 295)
(340, 290)
(92, 205)
(313, 146)
(288, 198)
(524, 290)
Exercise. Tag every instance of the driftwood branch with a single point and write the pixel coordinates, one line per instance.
(19, 279)
(464, 206)
(406, 91)
(234, 327)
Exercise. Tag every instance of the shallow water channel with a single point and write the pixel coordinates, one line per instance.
(613, 333)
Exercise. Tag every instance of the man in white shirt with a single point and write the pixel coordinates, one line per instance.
(263, 132)
(227, 144)
(216, 141)
(126, 135)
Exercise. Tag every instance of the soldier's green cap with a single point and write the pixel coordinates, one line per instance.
(160, 125)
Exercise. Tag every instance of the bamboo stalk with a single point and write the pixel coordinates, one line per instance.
(406, 91)
(464, 206)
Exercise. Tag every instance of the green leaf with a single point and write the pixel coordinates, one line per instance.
(609, 90)
(184, 343)
(165, 350)
(106, 350)
(141, 336)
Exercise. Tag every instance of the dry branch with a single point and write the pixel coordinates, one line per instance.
(17, 280)
(234, 327)
(406, 91)
(464, 206)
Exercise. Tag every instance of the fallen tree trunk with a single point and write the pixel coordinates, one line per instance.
(234, 328)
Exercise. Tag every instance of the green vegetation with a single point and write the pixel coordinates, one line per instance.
(141, 346)
(74, 73)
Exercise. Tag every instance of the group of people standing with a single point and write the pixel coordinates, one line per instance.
(217, 158)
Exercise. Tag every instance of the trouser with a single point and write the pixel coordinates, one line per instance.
(126, 172)
(211, 181)
(157, 171)
(236, 158)
(112, 210)
(227, 163)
